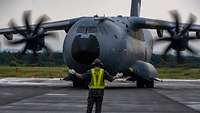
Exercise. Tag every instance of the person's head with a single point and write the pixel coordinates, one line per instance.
(97, 63)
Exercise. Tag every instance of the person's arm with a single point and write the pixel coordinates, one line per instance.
(85, 75)
(108, 76)
(111, 78)
(73, 72)
(78, 75)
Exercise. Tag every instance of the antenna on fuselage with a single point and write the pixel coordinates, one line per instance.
(135, 8)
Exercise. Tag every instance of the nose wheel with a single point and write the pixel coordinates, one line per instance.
(143, 83)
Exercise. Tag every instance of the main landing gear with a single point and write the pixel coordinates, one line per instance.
(143, 83)
(77, 82)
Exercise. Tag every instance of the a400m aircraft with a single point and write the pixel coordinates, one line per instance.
(122, 43)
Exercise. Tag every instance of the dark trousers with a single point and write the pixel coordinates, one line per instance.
(93, 98)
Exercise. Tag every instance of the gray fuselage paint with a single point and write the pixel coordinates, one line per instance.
(120, 46)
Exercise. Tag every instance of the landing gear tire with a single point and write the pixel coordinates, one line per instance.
(150, 84)
(142, 83)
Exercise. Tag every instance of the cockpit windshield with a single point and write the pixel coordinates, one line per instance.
(88, 29)
(81, 29)
(91, 29)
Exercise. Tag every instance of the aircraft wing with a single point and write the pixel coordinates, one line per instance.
(145, 23)
(49, 26)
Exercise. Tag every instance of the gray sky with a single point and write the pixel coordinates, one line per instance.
(65, 9)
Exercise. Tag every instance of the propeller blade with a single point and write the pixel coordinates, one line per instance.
(41, 20)
(192, 50)
(191, 21)
(178, 36)
(171, 32)
(164, 39)
(27, 20)
(175, 15)
(13, 25)
(179, 58)
(18, 42)
(193, 38)
(35, 53)
(34, 37)
(24, 49)
(47, 35)
(167, 49)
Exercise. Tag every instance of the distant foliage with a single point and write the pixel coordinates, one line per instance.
(189, 61)
(15, 59)
(56, 59)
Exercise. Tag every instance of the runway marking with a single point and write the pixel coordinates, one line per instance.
(7, 93)
(56, 94)
(192, 103)
(195, 106)
(115, 101)
(181, 80)
(33, 103)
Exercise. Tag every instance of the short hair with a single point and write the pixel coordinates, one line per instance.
(97, 62)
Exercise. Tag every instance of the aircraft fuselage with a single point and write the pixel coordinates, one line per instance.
(111, 39)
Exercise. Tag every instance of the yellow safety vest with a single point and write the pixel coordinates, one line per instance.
(97, 78)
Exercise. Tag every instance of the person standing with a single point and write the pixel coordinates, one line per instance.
(96, 76)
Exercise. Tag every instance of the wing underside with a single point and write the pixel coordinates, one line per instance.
(49, 26)
(144, 23)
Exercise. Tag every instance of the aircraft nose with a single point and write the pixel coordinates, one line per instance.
(85, 49)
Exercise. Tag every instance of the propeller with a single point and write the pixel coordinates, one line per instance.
(0, 46)
(179, 37)
(33, 36)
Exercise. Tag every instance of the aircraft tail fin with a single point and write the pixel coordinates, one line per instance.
(135, 8)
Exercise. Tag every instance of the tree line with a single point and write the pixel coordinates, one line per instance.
(56, 59)
(43, 59)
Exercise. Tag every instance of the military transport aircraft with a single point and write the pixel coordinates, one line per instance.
(122, 43)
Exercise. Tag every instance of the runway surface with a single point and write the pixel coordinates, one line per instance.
(55, 96)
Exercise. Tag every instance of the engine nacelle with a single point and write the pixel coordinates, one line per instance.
(145, 70)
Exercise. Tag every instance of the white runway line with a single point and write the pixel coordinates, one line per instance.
(34, 82)
(54, 94)
(181, 80)
(58, 82)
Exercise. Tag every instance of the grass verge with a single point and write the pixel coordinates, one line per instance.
(40, 72)
(179, 73)
(60, 72)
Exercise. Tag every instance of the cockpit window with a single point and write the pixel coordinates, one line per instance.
(84, 29)
(91, 30)
(81, 30)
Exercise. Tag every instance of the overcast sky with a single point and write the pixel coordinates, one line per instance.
(65, 9)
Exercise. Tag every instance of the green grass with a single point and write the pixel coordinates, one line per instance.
(179, 73)
(51, 72)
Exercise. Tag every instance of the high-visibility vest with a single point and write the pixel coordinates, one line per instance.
(97, 78)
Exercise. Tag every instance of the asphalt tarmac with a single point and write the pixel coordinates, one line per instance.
(55, 96)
